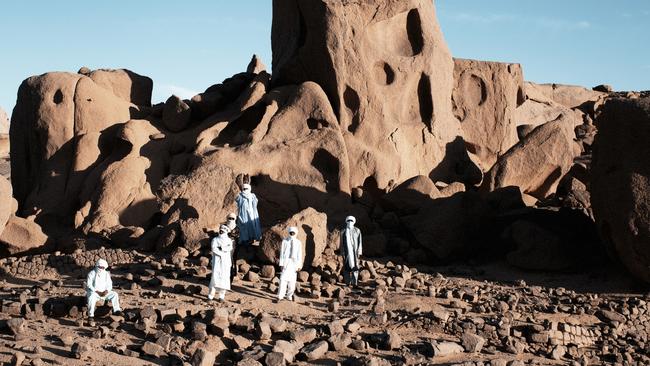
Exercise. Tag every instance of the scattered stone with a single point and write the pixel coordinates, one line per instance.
(274, 359)
(242, 342)
(442, 349)
(304, 336)
(314, 351)
(267, 271)
(263, 331)
(80, 350)
(339, 342)
(203, 357)
(558, 352)
(288, 349)
(17, 326)
(153, 349)
(472, 343)
(392, 340)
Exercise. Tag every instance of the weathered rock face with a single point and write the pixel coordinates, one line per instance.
(549, 240)
(55, 116)
(540, 107)
(537, 163)
(125, 84)
(408, 196)
(21, 235)
(569, 96)
(453, 227)
(4, 122)
(312, 232)
(387, 72)
(289, 143)
(119, 191)
(485, 97)
(620, 182)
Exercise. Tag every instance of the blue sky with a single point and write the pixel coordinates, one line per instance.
(186, 47)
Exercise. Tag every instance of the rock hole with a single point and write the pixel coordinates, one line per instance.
(425, 100)
(475, 90)
(58, 97)
(353, 103)
(414, 31)
(384, 73)
(328, 166)
(316, 124)
(521, 96)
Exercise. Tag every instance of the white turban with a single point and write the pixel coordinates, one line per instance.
(224, 228)
(293, 229)
(102, 263)
(246, 186)
(350, 218)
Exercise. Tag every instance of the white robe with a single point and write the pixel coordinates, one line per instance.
(290, 258)
(221, 262)
(351, 247)
(98, 281)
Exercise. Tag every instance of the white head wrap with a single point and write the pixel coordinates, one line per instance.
(224, 228)
(102, 263)
(293, 229)
(350, 218)
(246, 186)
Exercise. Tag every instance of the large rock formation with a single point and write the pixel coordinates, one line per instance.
(485, 97)
(537, 163)
(55, 115)
(387, 72)
(620, 182)
(366, 115)
(291, 147)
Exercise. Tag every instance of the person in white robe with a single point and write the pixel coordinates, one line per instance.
(291, 262)
(221, 246)
(99, 287)
(351, 250)
(248, 219)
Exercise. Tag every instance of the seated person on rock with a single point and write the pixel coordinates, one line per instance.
(99, 286)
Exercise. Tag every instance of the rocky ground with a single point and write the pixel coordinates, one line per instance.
(470, 314)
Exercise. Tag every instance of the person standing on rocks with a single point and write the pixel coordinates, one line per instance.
(351, 249)
(231, 223)
(221, 264)
(291, 263)
(248, 219)
(99, 286)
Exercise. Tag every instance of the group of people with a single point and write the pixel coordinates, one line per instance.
(246, 224)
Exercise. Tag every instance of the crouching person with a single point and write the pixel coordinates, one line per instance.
(99, 286)
(290, 262)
